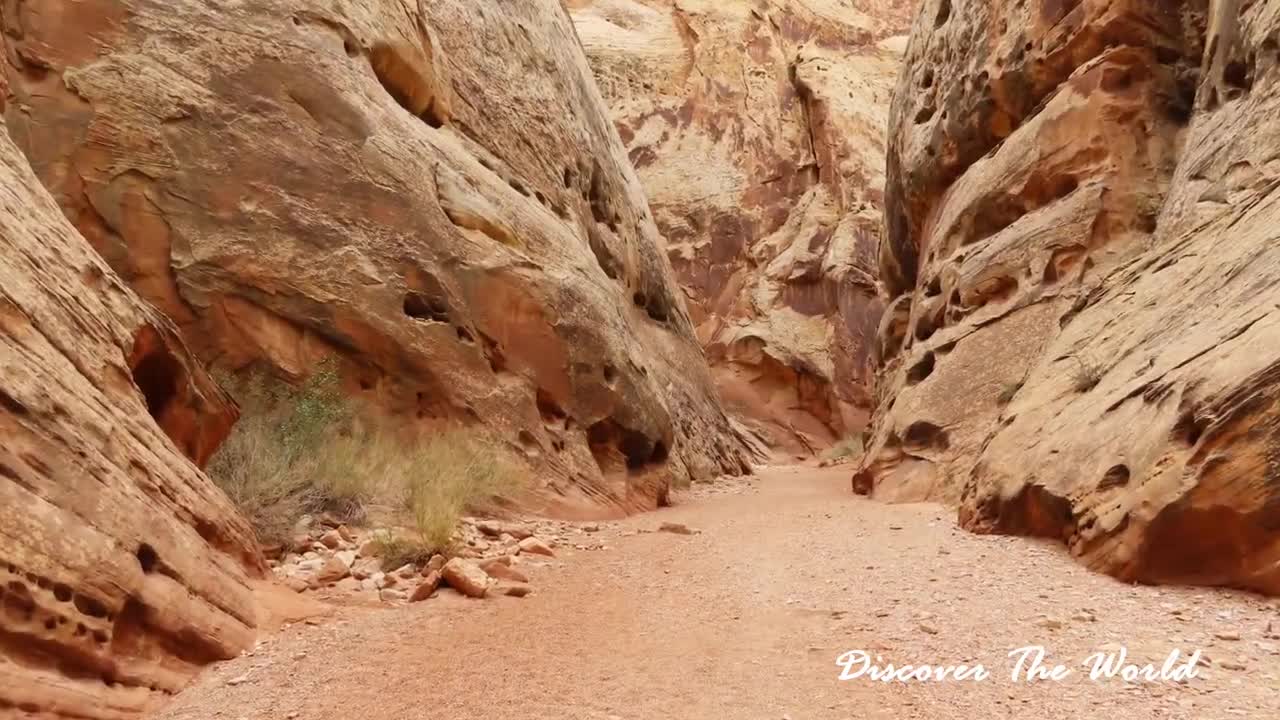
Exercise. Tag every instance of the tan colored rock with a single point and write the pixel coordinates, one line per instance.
(332, 571)
(536, 546)
(466, 577)
(331, 539)
(426, 588)
(337, 182)
(513, 589)
(1083, 342)
(757, 128)
(503, 571)
(123, 570)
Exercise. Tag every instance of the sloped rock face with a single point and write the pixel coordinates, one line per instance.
(431, 191)
(1085, 338)
(757, 128)
(122, 568)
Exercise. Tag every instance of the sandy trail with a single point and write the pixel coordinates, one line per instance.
(746, 619)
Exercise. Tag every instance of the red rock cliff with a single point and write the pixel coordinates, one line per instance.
(1083, 341)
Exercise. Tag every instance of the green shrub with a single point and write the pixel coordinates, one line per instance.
(302, 450)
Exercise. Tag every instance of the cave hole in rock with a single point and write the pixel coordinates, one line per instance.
(62, 593)
(925, 114)
(924, 435)
(610, 373)
(1189, 428)
(635, 447)
(1116, 476)
(1238, 75)
(944, 14)
(419, 306)
(11, 405)
(17, 601)
(147, 558)
(156, 372)
(464, 335)
(548, 408)
(403, 81)
(921, 370)
(90, 606)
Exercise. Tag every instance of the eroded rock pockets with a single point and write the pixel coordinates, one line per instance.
(1080, 216)
(757, 130)
(123, 569)
(340, 184)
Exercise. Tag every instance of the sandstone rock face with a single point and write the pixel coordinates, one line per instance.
(757, 127)
(1084, 342)
(431, 191)
(122, 568)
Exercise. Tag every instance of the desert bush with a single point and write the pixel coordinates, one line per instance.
(307, 449)
(1087, 373)
(850, 447)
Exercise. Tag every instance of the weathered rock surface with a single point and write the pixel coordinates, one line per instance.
(757, 128)
(122, 567)
(1085, 339)
(431, 191)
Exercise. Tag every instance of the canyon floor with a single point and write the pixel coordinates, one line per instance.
(746, 618)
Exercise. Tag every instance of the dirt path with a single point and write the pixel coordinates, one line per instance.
(746, 620)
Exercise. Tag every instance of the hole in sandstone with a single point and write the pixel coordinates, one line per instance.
(465, 335)
(1236, 74)
(146, 558)
(421, 307)
(610, 373)
(921, 370)
(944, 13)
(1117, 476)
(923, 435)
(18, 603)
(926, 80)
(659, 454)
(925, 114)
(90, 606)
(1189, 429)
(935, 287)
(548, 408)
(62, 592)
(156, 374)
(11, 405)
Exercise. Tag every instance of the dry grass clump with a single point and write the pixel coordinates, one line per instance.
(307, 450)
(849, 448)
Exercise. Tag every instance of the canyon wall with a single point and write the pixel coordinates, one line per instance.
(123, 570)
(432, 192)
(1083, 339)
(757, 128)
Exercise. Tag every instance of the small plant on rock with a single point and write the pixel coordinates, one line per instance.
(1087, 373)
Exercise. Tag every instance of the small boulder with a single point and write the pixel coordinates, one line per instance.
(426, 588)
(392, 595)
(501, 571)
(466, 577)
(675, 528)
(296, 584)
(331, 539)
(435, 564)
(369, 548)
(348, 557)
(333, 571)
(513, 589)
(535, 546)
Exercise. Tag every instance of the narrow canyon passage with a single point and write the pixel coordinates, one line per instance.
(746, 618)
